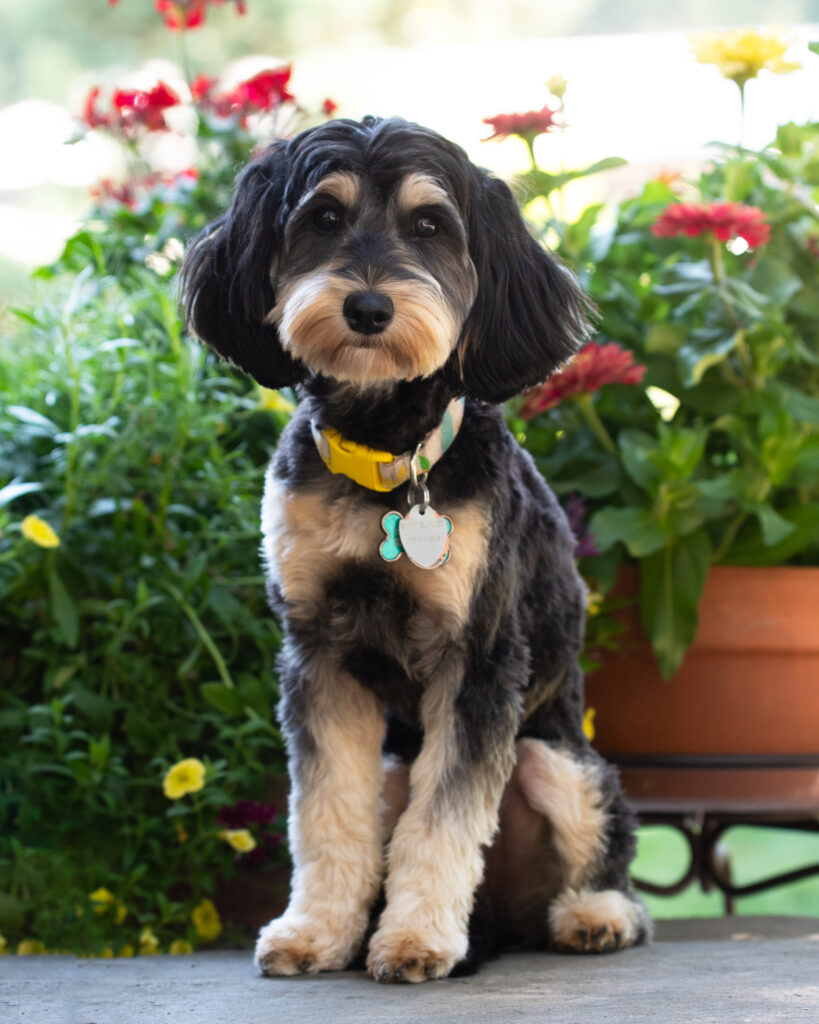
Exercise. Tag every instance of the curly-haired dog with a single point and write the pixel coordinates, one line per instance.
(430, 692)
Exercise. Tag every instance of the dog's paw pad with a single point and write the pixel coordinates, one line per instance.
(407, 958)
(595, 922)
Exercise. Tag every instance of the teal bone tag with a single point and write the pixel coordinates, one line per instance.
(423, 535)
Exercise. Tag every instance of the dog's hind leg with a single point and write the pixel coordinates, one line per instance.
(591, 831)
(334, 730)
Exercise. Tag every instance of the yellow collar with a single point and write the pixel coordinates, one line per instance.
(379, 470)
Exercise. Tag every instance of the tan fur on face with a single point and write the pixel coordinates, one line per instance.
(567, 792)
(341, 185)
(334, 832)
(421, 190)
(596, 922)
(417, 341)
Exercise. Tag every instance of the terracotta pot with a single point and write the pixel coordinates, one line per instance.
(748, 685)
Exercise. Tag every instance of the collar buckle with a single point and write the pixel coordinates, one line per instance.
(357, 461)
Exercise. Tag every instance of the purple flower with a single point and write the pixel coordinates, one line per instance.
(575, 509)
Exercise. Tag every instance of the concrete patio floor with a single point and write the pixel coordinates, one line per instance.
(725, 971)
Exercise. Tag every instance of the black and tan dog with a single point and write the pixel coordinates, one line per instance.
(431, 696)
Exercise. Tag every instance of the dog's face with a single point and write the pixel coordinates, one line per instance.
(375, 251)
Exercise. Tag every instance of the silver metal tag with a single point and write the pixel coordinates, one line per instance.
(423, 535)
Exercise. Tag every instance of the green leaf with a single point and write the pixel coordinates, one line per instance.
(752, 550)
(16, 489)
(664, 338)
(671, 584)
(774, 527)
(222, 697)
(694, 359)
(636, 448)
(63, 609)
(634, 527)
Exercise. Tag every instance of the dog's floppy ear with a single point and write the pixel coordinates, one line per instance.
(226, 280)
(529, 315)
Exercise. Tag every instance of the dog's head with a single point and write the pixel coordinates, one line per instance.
(375, 251)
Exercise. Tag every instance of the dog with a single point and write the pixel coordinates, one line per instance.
(445, 802)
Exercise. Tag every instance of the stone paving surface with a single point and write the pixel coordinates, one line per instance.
(729, 971)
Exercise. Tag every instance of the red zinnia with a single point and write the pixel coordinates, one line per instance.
(137, 107)
(526, 125)
(592, 367)
(723, 220)
(266, 90)
(329, 107)
(184, 14)
(263, 92)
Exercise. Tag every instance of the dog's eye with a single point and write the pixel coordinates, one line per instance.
(425, 226)
(327, 219)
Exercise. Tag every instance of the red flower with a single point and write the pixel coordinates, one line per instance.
(138, 108)
(329, 107)
(263, 92)
(592, 367)
(527, 125)
(185, 14)
(91, 117)
(723, 220)
(266, 90)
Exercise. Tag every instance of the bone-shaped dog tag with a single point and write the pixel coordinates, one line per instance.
(423, 535)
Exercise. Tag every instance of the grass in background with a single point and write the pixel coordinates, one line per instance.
(756, 853)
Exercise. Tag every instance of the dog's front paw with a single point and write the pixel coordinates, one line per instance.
(411, 956)
(298, 944)
(596, 922)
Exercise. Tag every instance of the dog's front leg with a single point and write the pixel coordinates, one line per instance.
(435, 859)
(334, 729)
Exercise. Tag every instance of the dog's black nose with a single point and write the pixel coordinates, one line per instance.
(368, 312)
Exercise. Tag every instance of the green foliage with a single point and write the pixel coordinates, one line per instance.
(720, 466)
(143, 638)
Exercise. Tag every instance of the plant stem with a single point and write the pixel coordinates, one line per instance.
(586, 405)
(729, 537)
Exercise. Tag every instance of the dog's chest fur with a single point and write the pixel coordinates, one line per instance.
(384, 622)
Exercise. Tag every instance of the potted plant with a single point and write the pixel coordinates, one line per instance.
(701, 482)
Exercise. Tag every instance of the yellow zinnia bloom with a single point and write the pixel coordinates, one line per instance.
(239, 838)
(102, 899)
(588, 724)
(35, 529)
(274, 401)
(127, 950)
(148, 942)
(180, 946)
(120, 913)
(206, 919)
(3, 944)
(741, 53)
(30, 947)
(186, 776)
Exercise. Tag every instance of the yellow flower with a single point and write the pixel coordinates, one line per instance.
(38, 530)
(127, 950)
(148, 942)
(186, 776)
(557, 86)
(30, 947)
(180, 946)
(120, 913)
(274, 401)
(239, 838)
(103, 899)
(588, 724)
(3, 944)
(594, 602)
(206, 920)
(106, 954)
(741, 53)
